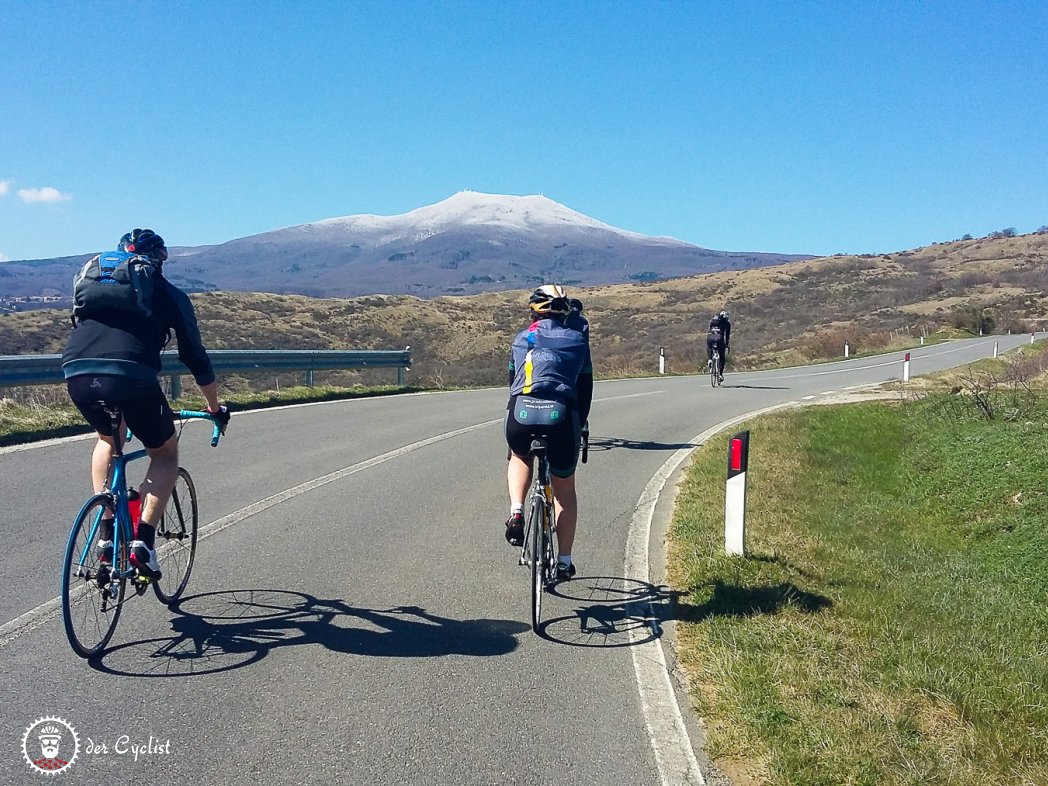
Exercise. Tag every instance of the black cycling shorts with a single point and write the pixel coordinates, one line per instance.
(562, 433)
(143, 405)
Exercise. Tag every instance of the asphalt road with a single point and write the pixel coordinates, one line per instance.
(355, 616)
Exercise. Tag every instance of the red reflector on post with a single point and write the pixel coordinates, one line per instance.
(907, 357)
(736, 455)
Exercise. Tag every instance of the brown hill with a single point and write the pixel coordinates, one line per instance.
(782, 315)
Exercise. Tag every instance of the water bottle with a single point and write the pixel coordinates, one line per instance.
(134, 507)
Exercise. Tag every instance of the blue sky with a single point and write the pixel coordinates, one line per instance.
(804, 127)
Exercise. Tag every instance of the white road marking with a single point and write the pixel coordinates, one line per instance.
(674, 754)
(33, 618)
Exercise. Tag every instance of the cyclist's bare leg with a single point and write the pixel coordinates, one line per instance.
(159, 481)
(101, 461)
(518, 478)
(566, 506)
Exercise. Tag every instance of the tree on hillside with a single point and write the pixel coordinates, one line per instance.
(973, 319)
(1008, 232)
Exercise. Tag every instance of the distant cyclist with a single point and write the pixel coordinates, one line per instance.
(551, 383)
(719, 338)
(111, 362)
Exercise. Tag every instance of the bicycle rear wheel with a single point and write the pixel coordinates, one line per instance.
(91, 598)
(715, 369)
(537, 527)
(176, 538)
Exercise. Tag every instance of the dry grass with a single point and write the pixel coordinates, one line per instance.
(782, 315)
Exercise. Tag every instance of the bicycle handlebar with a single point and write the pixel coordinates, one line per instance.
(192, 414)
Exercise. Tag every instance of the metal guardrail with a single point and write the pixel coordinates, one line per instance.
(47, 369)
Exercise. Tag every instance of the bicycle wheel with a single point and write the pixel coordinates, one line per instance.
(91, 598)
(537, 525)
(176, 538)
(715, 369)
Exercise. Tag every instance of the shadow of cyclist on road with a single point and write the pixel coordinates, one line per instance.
(613, 443)
(220, 631)
(612, 612)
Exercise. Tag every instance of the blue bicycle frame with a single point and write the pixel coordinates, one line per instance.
(123, 527)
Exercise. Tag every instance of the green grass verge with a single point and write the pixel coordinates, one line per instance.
(889, 624)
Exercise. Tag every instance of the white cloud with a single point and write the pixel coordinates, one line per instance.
(45, 194)
(5, 186)
(4, 257)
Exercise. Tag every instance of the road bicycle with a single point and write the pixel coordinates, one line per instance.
(539, 532)
(538, 550)
(713, 368)
(94, 580)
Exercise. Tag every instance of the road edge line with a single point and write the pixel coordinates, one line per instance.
(668, 734)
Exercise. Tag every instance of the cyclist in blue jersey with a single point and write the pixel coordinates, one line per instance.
(551, 387)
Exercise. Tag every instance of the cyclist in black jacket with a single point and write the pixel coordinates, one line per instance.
(111, 362)
(719, 337)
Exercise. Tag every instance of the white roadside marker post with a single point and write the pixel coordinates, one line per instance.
(662, 360)
(846, 350)
(906, 368)
(995, 347)
(735, 495)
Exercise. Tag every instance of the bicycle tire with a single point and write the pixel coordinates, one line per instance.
(537, 527)
(176, 539)
(715, 369)
(89, 610)
(549, 552)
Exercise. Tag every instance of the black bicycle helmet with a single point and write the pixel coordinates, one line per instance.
(549, 300)
(145, 242)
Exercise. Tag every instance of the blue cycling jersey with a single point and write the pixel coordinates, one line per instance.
(547, 358)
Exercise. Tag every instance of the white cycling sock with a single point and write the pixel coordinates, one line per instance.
(564, 559)
(516, 509)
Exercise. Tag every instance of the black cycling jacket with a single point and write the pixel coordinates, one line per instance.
(129, 346)
(724, 325)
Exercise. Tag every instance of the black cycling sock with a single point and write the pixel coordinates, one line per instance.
(146, 533)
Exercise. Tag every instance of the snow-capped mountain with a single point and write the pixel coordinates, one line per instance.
(468, 243)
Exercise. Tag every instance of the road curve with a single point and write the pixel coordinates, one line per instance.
(354, 614)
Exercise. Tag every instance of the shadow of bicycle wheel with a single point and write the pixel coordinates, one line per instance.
(610, 612)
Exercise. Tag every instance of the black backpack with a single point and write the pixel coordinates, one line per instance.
(115, 281)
